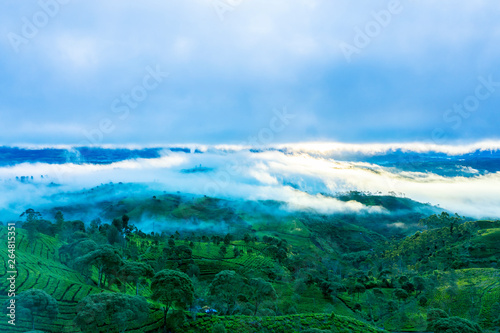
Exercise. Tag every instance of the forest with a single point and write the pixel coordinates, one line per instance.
(215, 265)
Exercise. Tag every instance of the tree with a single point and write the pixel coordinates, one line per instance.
(259, 290)
(125, 225)
(403, 279)
(222, 251)
(193, 270)
(408, 287)
(132, 271)
(183, 252)
(178, 252)
(332, 288)
(219, 328)
(400, 294)
(171, 242)
(281, 255)
(95, 224)
(247, 238)
(272, 250)
(227, 239)
(455, 325)
(113, 309)
(69, 254)
(225, 287)
(359, 288)
(442, 220)
(172, 288)
(113, 235)
(70, 227)
(118, 224)
(378, 292)
(422, 301)
(420, 285)
(105, 258)
(35, 302)
(31, 215)
(59, 217)
(433, 315)
(31, 226)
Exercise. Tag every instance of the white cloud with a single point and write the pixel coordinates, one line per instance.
(272, 176)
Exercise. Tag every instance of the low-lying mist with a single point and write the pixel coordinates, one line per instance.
(303, 181)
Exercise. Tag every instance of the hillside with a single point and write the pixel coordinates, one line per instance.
(336, 272)
(39, 267)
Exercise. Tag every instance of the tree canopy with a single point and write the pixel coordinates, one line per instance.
(132, 271)
(259, 290)
(114, 309)
(225, 287)
(442, 220)
(105, 258)
(171, 288)
(35, 302)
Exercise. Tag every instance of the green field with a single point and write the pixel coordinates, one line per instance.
(333, 273)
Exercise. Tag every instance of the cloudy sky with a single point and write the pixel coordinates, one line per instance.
(226, 71)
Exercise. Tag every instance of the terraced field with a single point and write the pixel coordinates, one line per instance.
(478, 291)
(279, 324)
(210, 262)
(38, 267)
(40, 270)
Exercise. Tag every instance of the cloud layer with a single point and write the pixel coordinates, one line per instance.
(227, 75)
(302, 180)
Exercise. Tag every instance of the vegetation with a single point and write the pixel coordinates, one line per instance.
(111, 309)
(33, 303)
(172, 288)
(228, 267)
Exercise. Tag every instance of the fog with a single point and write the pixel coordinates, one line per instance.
(299, 179)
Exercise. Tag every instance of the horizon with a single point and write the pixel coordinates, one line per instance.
(455, 147)
(232, 166)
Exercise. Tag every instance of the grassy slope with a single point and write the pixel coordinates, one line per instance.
(296, 229)
(38, 267)
(280, 324)
(478, 288)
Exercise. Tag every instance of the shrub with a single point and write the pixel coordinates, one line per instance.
(434, 315)
(422, 301)
(378, 292)
(218, 328)
(392, 306)
(314, 330)
(455, 325)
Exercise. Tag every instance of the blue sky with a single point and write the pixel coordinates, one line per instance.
(232, 63)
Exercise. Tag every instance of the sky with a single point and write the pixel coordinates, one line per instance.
(248, 71)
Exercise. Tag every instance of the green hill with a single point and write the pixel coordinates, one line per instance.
(334, 272)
